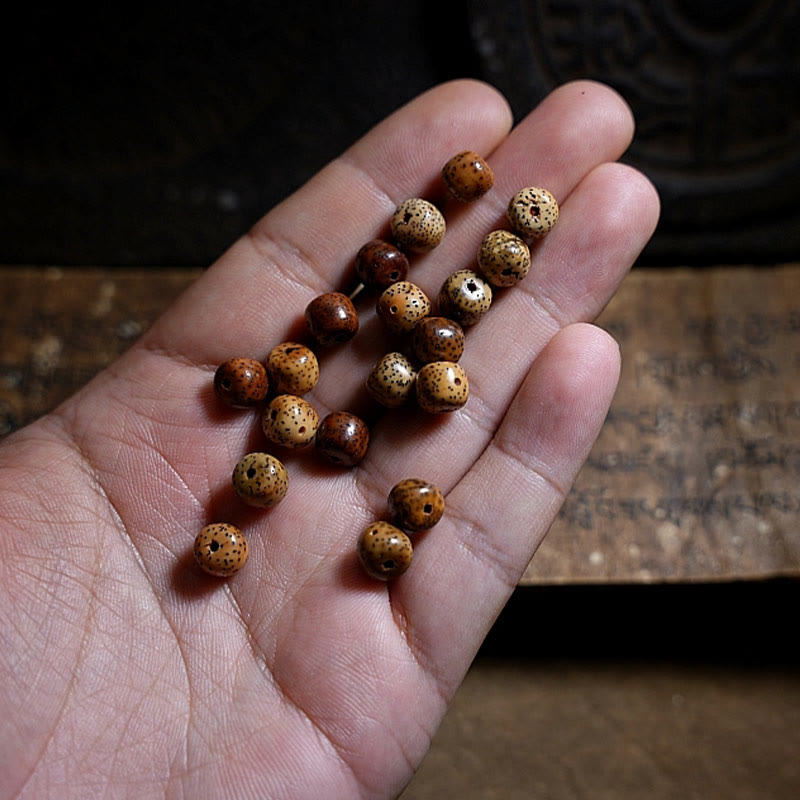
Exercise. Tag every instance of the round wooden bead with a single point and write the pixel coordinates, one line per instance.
(417, 225)
(465, 297)
(260, 480)
(402, 305)
(467, 176)
(220, 549)
(332, 318)
(241, 382)
(438, 339)
(416, 505)
(503, 259)
(342, 438)
(380, 264)
(290, 421)
(532, 212)
(442, 386)
(292, 368)
(391, 380)
(384, 551)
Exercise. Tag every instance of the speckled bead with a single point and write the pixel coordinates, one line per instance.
(332, 318)
(260, 480)
(532, 212)
(503, 258)
(342, 438)
(290, 421)
(220, 549)
(415, 505)
(391, 381)
(402, 305)
(438, 339)
(442, 386)
(241, 382)
(467, 176)
(417, 225)
(384, 551)
(465, 297)
(380, 264)
(292, 368)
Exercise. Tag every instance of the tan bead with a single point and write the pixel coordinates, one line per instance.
(503, 259)
(290, 421)
(417, 225)
(465, 297)
(292, 368)
(220, 549)
(415, 505)
(384, 551)
(391, 380)
(467, 176)
(402, 305)
(442, 386)
(533, 212)
(260, 480)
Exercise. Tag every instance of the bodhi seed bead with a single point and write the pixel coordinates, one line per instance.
(391, 380)
(332, 318)
(442, 386)
(260, 480)
(292, 369)
(503, 259)
(465, 297)
(380, 264)
(220, 549)
(417, 225)
(533, 212)
(342, 438)
(438, 339)
(415, 505)
(241, 382)
(402, 305)
(290, 421)
(467, 176)
(384, 551)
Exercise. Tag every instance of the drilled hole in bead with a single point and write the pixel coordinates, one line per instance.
(273, 414)
(535, 211)
(427, 508)
(394, 275)
(388, 564)
(226, 383)
(457, 381)
(214, 546)
(472, 286)
(301, 429)
(392, 309)
(251, 473)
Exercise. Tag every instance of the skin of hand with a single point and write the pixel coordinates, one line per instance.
(126, 671)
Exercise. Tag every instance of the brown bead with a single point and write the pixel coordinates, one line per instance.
(416, 505)
(438, 339)
(260, 480)
(402, 305)
(465, 297)
(241, 382)
(220, 549)
(417, 225)
(342, 438)
(391, 380)
(442, 386)
(384, 551)
(292, 368)
(290, 421)
(380, 264)
(467, 176)
(332, 318)
(503, 259)
(532, 212)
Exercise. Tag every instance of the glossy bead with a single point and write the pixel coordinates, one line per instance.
(241, 382)
(467, 176)
(290, 421)
(220, 549)
(503, 259)
(417, 225)
(260, 480)
(384, 551)
(416, 505)
(342, 438)
(465, 297)
(391, 380)
(442, 386)
(292, 368)
(402, 305)
(438, 339)
(332, 318)
(380, 264)
(532, 212)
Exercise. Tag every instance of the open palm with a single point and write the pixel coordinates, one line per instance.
(126, 671)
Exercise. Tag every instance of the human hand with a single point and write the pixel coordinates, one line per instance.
(125, 670)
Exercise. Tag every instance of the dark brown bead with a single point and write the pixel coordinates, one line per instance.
(342, 438)
(241, 382)
(467, 176)
(380, 264)
(416, 505)
(332, 318)
(384, 551)
(438, 339)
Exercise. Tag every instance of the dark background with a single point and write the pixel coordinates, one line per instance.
(155, 137)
